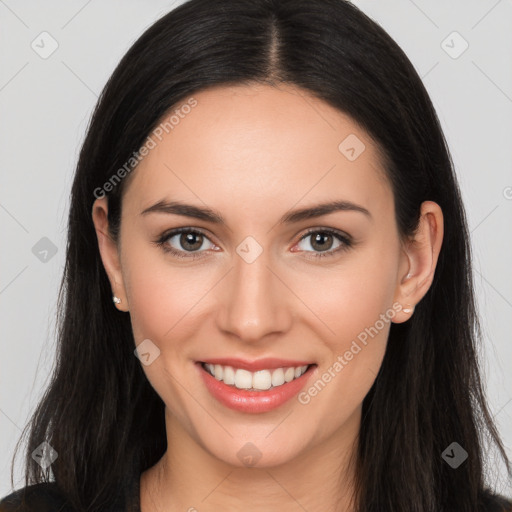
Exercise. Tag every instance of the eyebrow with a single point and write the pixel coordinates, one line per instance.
(209, 215)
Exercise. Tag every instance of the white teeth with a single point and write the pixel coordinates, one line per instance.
(278, 377)
(218, 372)
(289, 374)
(260, 380)
(243, 379)
(229, 375)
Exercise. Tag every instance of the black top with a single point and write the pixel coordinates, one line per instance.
(45, 497)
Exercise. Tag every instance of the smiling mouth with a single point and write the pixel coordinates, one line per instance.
(261, 380)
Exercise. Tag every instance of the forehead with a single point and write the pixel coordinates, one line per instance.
(258, 145)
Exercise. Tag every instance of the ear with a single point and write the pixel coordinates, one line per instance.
(419, 259)
(109, 251)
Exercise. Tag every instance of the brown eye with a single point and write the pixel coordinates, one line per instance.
(322, 241)
(191, 241)
(185, 241)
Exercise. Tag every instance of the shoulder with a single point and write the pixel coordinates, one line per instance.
(491, 502)
(41, 497)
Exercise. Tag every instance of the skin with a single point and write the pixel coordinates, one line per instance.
(253, 153)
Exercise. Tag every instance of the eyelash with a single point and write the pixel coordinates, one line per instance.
(161, 242)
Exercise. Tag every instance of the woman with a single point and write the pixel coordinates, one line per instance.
(268, 301)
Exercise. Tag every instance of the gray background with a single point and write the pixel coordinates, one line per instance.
(45, 105)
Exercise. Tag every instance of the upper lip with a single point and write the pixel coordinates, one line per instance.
(267, 363)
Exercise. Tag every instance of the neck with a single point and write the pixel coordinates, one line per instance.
(188, 478)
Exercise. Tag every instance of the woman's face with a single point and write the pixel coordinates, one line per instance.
(255, 286)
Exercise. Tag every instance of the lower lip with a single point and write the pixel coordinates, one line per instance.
(254, 401)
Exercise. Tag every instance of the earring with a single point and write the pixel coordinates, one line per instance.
(116, 300)
(410, 309)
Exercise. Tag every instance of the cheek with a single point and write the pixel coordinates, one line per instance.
(164, 306)
(161, 296)
(350, 297)
(354, 305)
(162, 303)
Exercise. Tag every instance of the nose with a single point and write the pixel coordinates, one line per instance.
(255, 301)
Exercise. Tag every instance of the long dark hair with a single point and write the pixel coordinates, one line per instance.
(99, 411)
